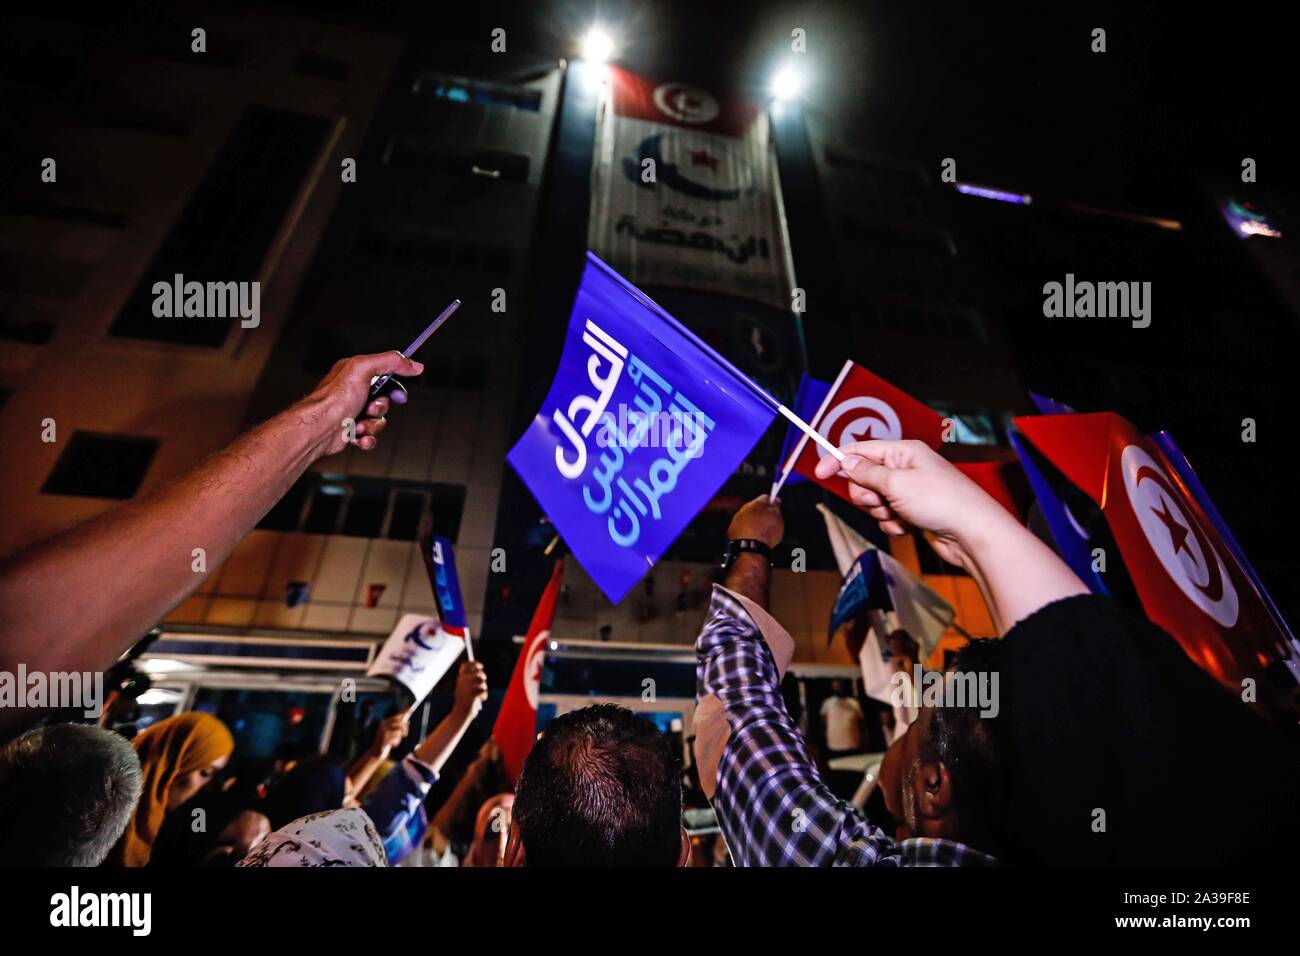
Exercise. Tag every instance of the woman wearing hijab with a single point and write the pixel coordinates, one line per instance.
(344, 837)
(178, 757)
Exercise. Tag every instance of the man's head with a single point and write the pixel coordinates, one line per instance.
(938, 778)
(905, 650)
(600, 788)
(67, 792)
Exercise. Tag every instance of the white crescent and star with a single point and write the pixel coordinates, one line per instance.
(533, 667)
(685, 103)
(863, 418)
(1184, 549)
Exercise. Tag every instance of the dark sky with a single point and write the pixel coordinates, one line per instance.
(1012, 91)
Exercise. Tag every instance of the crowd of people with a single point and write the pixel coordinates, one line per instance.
(1107, 744)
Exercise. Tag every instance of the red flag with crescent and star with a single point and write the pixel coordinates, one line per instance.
(861, 406)
(1188, 581)
(516, 725)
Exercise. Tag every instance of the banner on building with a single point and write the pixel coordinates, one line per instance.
(685, 191)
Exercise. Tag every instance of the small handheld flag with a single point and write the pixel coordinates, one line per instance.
(670, 419)
(440, 564)
(859, 406)
(516, 725)
(1188, 580)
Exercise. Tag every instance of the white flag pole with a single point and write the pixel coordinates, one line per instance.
(703, 346)
(810, 433)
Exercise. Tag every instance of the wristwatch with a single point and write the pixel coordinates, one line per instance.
(738, 546)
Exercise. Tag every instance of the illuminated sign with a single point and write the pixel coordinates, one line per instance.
(969, 189)
(1246, 220)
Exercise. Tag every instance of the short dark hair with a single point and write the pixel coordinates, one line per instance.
(602, 787)
(67, 791)
(968, 743)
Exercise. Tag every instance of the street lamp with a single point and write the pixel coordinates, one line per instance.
(787, 84)
(597, 45)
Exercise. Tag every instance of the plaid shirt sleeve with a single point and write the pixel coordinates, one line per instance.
(772, 806)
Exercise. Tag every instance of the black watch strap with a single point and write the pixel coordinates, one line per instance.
(739, 546)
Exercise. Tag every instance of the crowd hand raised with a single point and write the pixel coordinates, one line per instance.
(760, 520)
(471, 689)
(388, 735)
(907, 483)
(343, 396)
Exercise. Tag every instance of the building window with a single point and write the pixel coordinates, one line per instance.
(101, 466)
(321, 67)
(420, 155)
(29, 332)
(412, 246)
(362, 507)
(457, 90)
(230, 222)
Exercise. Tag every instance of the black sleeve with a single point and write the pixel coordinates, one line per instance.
(1118, 748)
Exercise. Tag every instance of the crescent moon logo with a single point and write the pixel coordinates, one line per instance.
(685, 103)
(671, 154)
(533, 667)
(858, 419)
(1184, 549)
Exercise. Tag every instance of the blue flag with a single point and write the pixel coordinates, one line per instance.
(642, 425)
(807, 402)
(1072, 539)
(865, 589)
(1050, 406)
(446, 588)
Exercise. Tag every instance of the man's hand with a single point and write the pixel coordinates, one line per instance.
(759, 519)
(471, 690)
(388, 735)
(341, 396)
(901, 483)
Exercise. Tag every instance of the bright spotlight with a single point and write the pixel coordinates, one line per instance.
(597, 45)
(788, 84)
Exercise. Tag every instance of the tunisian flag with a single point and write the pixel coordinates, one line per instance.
(515, 729)
(1186, 578)
(861, 405)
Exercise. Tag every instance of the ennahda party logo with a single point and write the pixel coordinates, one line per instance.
(696, 165)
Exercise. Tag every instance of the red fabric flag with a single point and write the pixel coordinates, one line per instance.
(998, 471)
(1186, 578)
(515, 729)
(679, 104)
(861, 406)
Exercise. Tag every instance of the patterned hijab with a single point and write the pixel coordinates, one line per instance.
(167, 750)
(333, 838)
